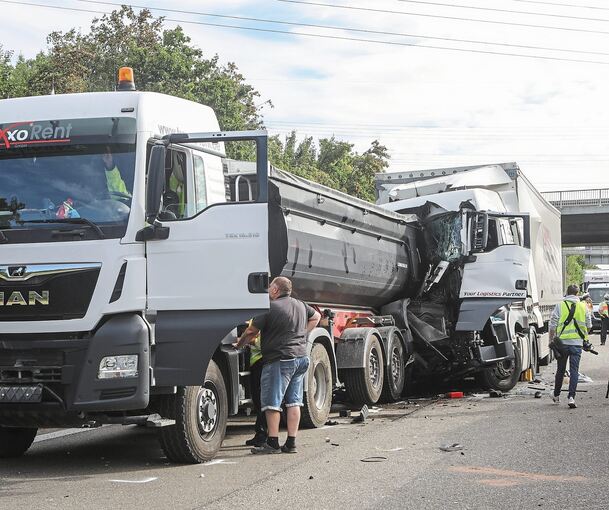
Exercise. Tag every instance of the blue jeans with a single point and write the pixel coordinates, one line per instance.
(283, 381)
(573, 353)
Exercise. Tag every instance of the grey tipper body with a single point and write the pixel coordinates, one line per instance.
(283, 329)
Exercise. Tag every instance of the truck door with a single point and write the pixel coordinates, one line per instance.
(498, 265)
(211, 272)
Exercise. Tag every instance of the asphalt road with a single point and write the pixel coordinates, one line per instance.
(518, 452)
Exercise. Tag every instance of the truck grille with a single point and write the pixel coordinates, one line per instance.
(62, 295)
(30, 375)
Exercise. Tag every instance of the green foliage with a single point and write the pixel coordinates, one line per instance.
(334, 164)
(165, 61)
(576, 264)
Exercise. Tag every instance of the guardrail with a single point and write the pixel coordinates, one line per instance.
(578, 198)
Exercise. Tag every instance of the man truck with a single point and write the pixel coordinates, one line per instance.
(132, 251)
(596, 283)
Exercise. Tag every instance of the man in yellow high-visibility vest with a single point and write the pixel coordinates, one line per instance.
(114, 180)
(603, 311)
(569, 327)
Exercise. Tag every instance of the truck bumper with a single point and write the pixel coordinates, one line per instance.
(64, 371)
(489, 355)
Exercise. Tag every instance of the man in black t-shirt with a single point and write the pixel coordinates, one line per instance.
(284, 329)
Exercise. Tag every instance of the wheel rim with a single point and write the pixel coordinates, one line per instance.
(375, 367)
(396, 366)
(207, 407)
(320, 386)
(504, 369)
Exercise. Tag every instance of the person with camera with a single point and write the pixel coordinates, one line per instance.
(568, 335)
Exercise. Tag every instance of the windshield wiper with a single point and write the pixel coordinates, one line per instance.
(73, 221)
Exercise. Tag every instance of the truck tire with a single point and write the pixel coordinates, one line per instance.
(365, 385)
(534, 351)
(318, 392)
(395, 376)
(201, 414)
(504, 375)
(15, 441)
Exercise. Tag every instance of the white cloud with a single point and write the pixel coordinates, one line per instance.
(432, 108)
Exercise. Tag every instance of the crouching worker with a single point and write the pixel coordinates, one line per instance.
(283, 331)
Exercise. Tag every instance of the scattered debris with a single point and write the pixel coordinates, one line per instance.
(398, 449)
(334, 444)
(374, 459)
(327, 439)
(345, 413)
(538, 394)
(311, 477)
(454, 394)
(583, 378)
(495, 394)
(363, 415)
(454, 447)
(331, 423)
(202, 475)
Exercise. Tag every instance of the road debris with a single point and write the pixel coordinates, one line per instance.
(331, 423)
(495, 394)
(453, 447)
(398, 449)
(145, 480)
(363, 415)
(374, 459)
(345, 413)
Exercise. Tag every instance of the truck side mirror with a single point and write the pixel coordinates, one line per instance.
(156, 182)
(479, 232)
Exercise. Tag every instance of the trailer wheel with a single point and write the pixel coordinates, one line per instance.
(201, 414)
(504, 375)
(318, 393)
(365, 385)
(15, 441)
(395, 376)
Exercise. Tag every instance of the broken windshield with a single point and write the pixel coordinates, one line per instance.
(443, 234)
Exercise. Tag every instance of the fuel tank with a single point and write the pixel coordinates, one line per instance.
(339, 250)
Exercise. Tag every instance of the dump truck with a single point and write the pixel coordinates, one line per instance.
(132, 252)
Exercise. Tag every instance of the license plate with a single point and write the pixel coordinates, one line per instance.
(20, 394)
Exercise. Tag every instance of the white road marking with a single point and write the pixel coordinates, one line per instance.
(218, 461)
(60, 433)
(145, 480)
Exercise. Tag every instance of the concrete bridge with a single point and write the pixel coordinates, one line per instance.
(585, 219)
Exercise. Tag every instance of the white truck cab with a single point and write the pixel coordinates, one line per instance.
(101, 310)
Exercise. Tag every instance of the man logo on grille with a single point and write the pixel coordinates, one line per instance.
(16, 271)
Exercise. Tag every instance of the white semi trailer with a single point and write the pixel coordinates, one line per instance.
(441, 197)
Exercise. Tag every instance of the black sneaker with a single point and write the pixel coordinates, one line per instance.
(288, 449)
(265, 449)
(258, 440)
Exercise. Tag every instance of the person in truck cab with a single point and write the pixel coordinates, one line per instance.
(114, 180)
(568, 334)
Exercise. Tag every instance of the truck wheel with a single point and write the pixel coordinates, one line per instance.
(534, 351)
(318, 393)
(15, 441)
(395, 376)
(504, 375)
(201, 414)
(364, 385)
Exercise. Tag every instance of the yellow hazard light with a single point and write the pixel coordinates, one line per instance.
(125, 79)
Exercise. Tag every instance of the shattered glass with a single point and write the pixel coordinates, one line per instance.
(444, 237)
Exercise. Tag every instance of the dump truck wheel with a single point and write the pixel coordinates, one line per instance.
(504, 375)
(318, 392)
(395, 376)
(365, 385)
(15, 441)
(201, 414)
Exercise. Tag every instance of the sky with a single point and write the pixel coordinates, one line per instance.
(432, 101)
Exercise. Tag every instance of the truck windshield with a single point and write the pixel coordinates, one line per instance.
(597, 293)
(68, 190)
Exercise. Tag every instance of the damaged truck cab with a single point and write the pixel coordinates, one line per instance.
(476, 314)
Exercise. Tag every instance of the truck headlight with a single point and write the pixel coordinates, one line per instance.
(118, 367)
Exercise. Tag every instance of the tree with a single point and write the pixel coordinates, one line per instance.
(576, 264)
